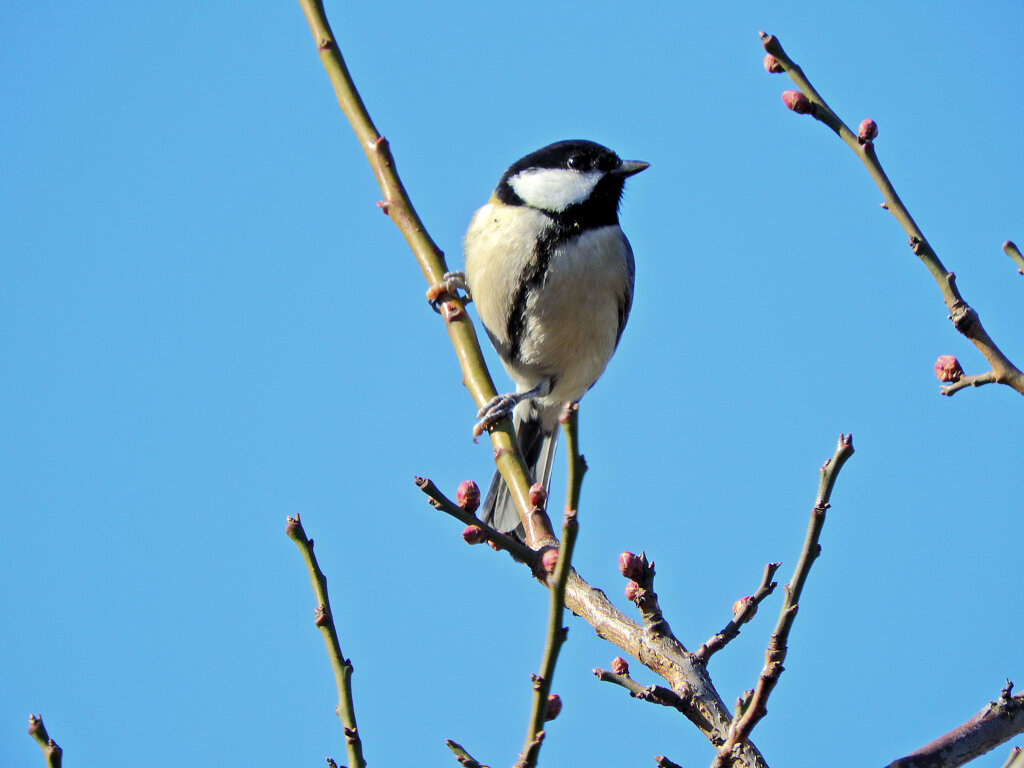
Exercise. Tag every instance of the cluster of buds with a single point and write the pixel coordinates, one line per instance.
(947, 368)
(638, 571)
(620, 666)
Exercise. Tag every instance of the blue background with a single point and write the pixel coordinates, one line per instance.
(208, 325)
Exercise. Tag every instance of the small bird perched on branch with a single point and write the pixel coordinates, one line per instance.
(551, 274)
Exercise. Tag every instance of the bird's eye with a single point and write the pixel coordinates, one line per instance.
(577, 163)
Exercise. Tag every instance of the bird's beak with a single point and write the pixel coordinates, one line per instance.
(629, 167)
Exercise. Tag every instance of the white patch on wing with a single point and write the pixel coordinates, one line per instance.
(554, 189)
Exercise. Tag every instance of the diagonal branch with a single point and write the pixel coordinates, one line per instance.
(398, 206)
(965, 319)
(752, 706)
(743, 611)
(324, 621)
(996, 724)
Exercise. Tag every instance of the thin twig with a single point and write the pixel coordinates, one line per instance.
(556, 632)
(753, 706)
(51, 751)
(438, 500)
(656, 694)
(324, 620)
(465, 759)
(743, 611)
(663, 762)
(399, 207)
(964, 318)
(1010, 249)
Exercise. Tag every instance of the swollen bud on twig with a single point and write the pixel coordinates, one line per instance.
(620, 666)
(474, 534)
(632, 590)
(867, 132)
(772, 64)
(554, 706)
(538, 496)
(740, 605)
(796, 101)
(549, 560)
(947, 368)
(468, 496)
(631, 566)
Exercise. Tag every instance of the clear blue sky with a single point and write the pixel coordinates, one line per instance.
(207, 325)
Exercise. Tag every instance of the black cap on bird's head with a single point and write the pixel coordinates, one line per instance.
(578, 182)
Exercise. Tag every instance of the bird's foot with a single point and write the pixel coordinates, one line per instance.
(496, 409)
(451, 283)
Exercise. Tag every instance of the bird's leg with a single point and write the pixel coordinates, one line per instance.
(500, 406)
(451, 283)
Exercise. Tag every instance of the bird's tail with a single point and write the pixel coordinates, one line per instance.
(538, 446)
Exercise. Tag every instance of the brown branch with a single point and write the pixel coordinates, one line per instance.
(663, 762)
(324, 620)
(656, 694)
(965, 319)
(51, 751)
(397, 205)
(996, 724)
(743, 611)
(753, 705)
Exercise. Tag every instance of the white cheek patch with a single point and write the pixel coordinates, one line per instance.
(554, 189)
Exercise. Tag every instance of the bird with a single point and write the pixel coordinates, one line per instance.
(551, 274)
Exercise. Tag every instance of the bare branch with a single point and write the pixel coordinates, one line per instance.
(399, 207)
(753, 705)
(324, 620)
(965, 319)
(996, 724)
(51, 751)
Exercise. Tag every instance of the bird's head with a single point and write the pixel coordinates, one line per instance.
(576, 179)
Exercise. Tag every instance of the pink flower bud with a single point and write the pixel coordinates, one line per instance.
(632, 590)
(468, 496)
(868, 130)
(549, 560)
(772, 64)
(554, 706)
(631, 566)
(620, 666)
(474, 534)
(538, 495)
(947, 368)
(741, 604)
(796, 101)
